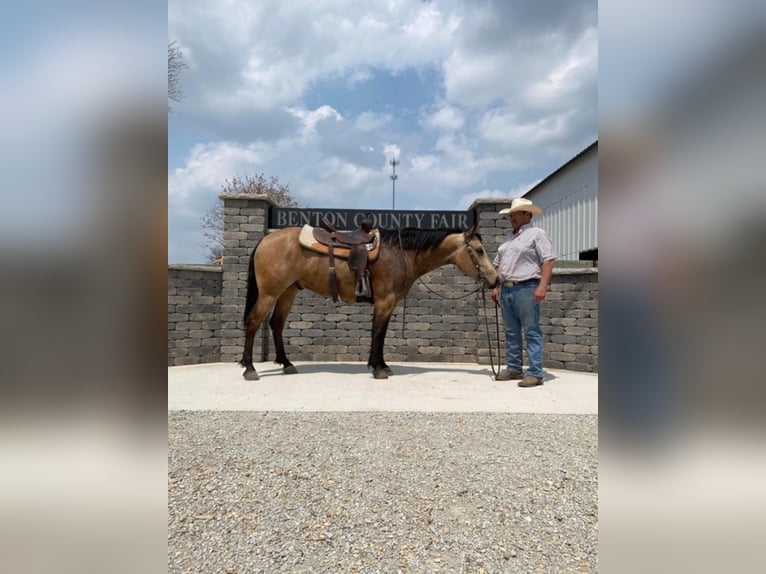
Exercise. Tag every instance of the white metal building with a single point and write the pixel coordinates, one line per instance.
(569, 198)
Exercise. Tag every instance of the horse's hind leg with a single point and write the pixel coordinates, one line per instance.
(278, 320)
(254, 320)
(380, 319)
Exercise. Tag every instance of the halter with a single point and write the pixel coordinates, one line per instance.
(475, 260)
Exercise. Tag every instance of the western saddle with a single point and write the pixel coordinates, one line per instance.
(357, 244)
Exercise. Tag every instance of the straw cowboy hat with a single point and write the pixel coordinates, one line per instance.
(521, 204)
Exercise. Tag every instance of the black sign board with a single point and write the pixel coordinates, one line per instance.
(346, 219)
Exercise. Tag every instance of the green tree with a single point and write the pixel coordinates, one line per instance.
(259, 184)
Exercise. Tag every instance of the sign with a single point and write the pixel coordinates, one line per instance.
(347, 219)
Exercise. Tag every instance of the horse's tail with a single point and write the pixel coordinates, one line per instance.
(252, 286)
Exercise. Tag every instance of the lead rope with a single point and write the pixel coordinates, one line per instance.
(489, 339)
(404, 303)
(486, 317)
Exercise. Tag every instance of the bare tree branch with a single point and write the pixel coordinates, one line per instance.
(259, 184)
(175, 65)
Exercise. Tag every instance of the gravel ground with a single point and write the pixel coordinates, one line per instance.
(381, 492)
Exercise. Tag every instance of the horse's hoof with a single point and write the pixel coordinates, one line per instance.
(291, 370)
(380, 374)
(389, 371)
(251, 375)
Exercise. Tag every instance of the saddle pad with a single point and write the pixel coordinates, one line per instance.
(306, 239)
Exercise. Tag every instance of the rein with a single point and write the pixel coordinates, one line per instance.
(472, 254)
(482, 282)
(440, 295)
(486, 322)
(489, 339)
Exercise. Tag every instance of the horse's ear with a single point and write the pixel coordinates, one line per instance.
(471, 232)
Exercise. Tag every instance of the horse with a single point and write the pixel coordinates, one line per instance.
(279, 267)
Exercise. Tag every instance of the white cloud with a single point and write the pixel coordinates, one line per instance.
(392, 151)
(208, 167)
(501, 59)
(446, 118)
(194, 188)
(507, 90)
(311, 118)
(358, 77)
(268, 54)
(508, 130)
(578, 67)
(372, 121)
(424, 163)
(474, 82)
(430, 27)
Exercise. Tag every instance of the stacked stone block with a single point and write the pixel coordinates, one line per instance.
(194, 314)
(569, 319)
(245, 224)
(435, 329)
(449, 325)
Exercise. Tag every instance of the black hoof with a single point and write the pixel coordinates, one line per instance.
(389, 371)
(251, 375)
(291, 370)
(380, 374)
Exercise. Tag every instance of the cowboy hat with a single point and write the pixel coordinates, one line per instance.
(521, 204)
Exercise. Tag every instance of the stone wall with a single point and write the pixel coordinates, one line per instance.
(435, 329)
(569, 319)
(194, 314)
(245, 221)
(443, 320)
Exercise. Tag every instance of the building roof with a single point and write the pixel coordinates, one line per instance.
(560, 168)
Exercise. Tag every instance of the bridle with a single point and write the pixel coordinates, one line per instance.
(484, 283)
(475, 261)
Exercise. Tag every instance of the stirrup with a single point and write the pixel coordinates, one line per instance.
(363, 290)
(362, 287)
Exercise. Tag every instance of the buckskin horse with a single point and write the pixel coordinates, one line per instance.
(281, 265)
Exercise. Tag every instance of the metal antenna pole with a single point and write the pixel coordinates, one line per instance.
(394, 162)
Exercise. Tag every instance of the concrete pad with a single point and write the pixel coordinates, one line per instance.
(418, 387)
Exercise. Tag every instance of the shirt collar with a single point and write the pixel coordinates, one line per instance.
(522, 228)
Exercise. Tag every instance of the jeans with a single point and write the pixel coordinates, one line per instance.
(522, 312)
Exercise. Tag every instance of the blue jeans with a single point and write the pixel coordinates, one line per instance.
(522, 312)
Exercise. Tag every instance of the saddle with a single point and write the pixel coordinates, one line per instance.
(357, 247)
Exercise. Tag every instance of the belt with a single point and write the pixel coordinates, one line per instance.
(512, 283)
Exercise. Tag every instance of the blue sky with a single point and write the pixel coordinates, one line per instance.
(475, 99)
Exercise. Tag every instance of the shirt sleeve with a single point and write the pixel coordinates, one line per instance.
(544, 247)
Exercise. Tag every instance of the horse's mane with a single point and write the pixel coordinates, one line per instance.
(414, 239)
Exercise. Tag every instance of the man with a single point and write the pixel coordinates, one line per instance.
(525, 263)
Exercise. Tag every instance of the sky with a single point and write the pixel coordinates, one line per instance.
(475, 99)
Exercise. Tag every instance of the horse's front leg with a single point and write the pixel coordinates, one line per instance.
(384, 308)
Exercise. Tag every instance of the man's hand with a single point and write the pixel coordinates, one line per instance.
(496, 294)
(546, 270)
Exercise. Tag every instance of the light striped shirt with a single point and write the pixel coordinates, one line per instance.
(520, 256)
